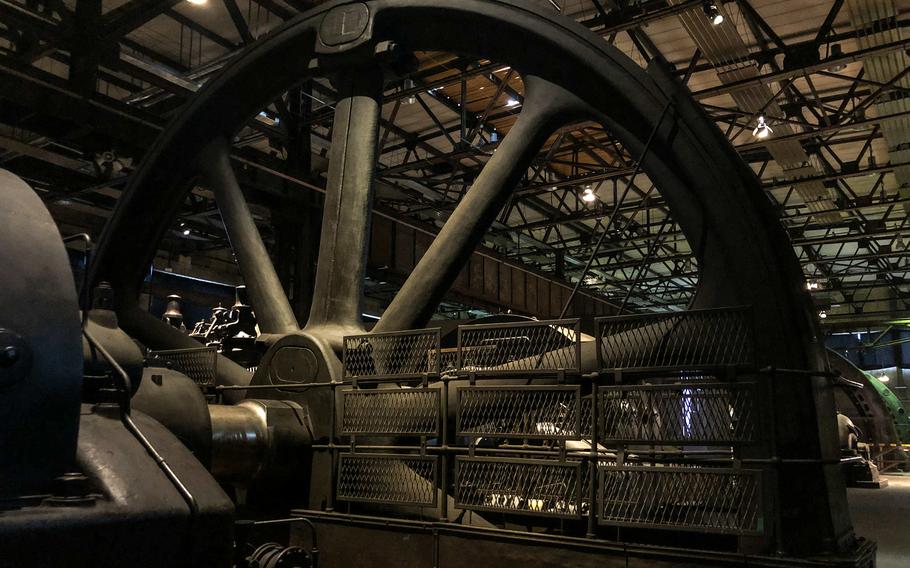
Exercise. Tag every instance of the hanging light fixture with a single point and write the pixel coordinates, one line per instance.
(589, 196)
(836, 53)
(407, 86)
(762, 131)
(823, 315)
(714, 15)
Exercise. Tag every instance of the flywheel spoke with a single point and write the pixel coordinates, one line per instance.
(546, 108)
(273, 311)
(346, 218)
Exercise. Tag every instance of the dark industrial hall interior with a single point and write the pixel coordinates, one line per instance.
(411, 283)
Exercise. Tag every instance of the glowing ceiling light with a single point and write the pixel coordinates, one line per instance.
(884, 378)
(714, 15)
(186, 232)
(197, 2)
(823, 315)
(762, 131)
(589, 196)
(512, 103)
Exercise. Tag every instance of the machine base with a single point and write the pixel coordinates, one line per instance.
(384, 542)
(863, 475)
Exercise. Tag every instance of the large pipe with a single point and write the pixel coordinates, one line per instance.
(239, 442)
(246, 439)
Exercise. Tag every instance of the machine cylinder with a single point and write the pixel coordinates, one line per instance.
(246, 439)
(239, 442)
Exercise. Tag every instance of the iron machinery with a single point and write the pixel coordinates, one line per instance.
(701, 437)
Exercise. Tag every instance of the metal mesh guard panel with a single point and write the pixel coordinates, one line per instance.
(535, 487)
(698, 499)
(448, 360)
(706, 413)
(401, 411)
(696, 338)
(519, 412)
(543, 346)
(387, 478)
(199, 364)
(392, 355)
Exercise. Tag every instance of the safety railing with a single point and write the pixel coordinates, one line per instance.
(198, 363)
(392, 356)
(404, 412)
(524, 412)
(523, 347)
(719, 500)
(505, 424)
(697, 413)
(404, 480)
(690, 340)
(890, 458)
(533, 487)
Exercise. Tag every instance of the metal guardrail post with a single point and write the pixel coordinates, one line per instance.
(333, 440)
(444, 442)
(593, 475)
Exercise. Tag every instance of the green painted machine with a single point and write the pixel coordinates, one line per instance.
(880, 421)
(893, 406)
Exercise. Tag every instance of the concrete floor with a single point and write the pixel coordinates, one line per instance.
(883, 515)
